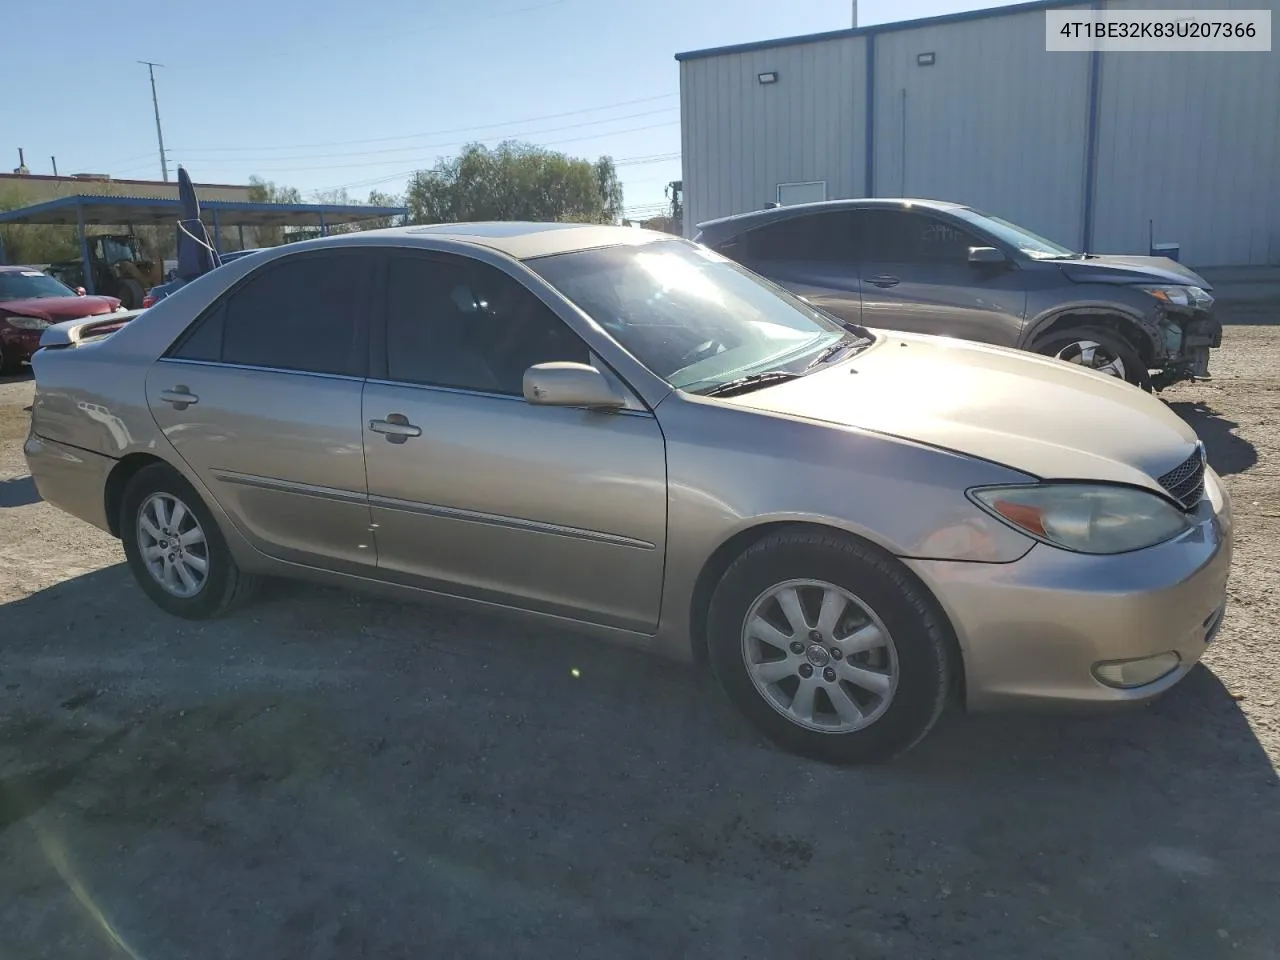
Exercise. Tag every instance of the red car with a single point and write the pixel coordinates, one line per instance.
(29, 302)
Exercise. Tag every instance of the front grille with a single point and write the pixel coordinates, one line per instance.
(1185, 482)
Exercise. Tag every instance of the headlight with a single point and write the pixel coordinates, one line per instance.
(1178, 295)
(1086, 518)
(27, 323)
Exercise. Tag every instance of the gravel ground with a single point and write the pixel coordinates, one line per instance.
(324, 775)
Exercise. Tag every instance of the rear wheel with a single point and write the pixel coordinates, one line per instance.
(1099, 350)
(829, 647)
(175, 549)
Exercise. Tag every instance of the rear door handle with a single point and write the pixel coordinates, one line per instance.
(179, 396)
(884, 280)
(396, 428)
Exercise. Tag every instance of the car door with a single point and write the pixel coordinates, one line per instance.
(261, 398)
(477, 493)
(812, 255)
(916, 275)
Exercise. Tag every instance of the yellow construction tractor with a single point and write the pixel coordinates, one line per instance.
(119, 269)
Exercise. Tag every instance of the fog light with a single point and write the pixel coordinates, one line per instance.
(1136, 673)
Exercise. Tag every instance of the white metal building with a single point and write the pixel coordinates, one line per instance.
(1095, 150)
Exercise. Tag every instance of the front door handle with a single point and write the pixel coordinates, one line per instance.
(396, 428)
(179, 396)
(884, 280)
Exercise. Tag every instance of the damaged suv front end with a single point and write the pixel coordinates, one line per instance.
(1186, 331)
(1163, 310)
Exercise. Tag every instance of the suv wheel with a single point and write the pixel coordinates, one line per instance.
(829, 647)
(1099, 350)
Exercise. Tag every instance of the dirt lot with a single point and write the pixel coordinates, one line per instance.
(324, 775)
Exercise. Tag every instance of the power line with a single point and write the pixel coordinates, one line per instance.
(435, 133)
(545, 143)
(621, 162)
(428, 146)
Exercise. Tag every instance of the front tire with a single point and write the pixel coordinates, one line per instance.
(1099, 350)
(130, 293)
(829, 647)
(175, 549)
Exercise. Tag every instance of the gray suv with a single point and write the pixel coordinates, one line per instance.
(944, 268)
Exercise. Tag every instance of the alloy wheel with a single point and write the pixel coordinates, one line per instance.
(1091, 354)
(173, 545)
(820, 656)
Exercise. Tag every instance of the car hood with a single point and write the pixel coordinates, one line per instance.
(57, 309)
(1105, 269)
(1037, 415)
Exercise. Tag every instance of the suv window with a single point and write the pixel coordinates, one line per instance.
(816, 237)
(899, 237)
(454, 322)
(305, 313)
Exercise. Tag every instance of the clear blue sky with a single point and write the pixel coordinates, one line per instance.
(324, 93)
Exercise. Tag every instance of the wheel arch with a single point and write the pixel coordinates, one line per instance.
(1128, 326)
(727, 552)
(118, 479)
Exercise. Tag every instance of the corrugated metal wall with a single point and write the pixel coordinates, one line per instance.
(1190, 141)
(741, 138)
(995, 122)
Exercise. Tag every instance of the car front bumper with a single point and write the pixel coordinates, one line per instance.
(1034, 631)
(19, 345)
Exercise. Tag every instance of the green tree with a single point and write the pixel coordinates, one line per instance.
(266, 191)
(515, 181)
(610, 189)
(35, 243)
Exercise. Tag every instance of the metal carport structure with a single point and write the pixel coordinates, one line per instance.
(82, 210)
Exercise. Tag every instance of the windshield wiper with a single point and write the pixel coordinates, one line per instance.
(844, 344)
(747, 384)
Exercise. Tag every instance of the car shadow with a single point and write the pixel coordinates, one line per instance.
(26, 373)
(444, 778)
(1227, 451)
(18, 492)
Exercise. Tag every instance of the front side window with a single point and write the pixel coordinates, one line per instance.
(306, 313)
(454, 322)
(692, 316)
(897, 236)
(1033, 245)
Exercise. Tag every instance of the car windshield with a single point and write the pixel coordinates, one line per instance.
(31, 285)
(693, 317)
(1031, 244)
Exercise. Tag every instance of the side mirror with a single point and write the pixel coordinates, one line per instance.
(81, 292)
(570, 385)
(986, 256)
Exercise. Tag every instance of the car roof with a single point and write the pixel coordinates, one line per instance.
(727, 226)
(518, 239)
(19, 268)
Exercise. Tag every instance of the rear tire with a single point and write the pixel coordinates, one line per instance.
(175, 549)
(1097, 349)
(865, 682)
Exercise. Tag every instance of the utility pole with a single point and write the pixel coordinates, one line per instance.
(151, 70)
(855, 13)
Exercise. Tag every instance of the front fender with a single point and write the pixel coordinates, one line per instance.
(1146, 326)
